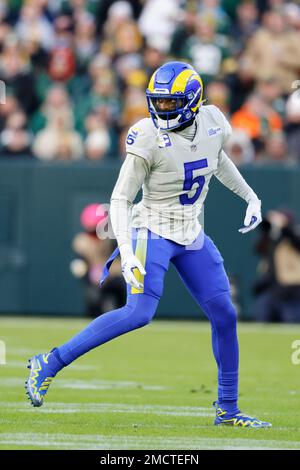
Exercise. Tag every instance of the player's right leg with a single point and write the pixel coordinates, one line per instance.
(138, 311)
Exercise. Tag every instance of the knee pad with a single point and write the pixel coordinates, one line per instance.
(142, 309)
(221, 311)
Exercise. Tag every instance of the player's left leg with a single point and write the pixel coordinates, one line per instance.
(201, 269)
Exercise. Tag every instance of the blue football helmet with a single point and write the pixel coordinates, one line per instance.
(179, 83)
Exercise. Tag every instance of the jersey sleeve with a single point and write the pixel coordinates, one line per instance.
(131, 177)
(227, 128)
(222, 121)
(140, 141)
(228, 174)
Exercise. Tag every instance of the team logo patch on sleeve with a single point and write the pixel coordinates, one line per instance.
(214, 131)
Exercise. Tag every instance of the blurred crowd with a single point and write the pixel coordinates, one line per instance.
(91, 253)
(76, 72)
(277, 288)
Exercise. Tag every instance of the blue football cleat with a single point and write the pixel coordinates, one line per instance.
(39, 379)
(224, 418)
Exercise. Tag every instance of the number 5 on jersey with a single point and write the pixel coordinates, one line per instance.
(189, 181)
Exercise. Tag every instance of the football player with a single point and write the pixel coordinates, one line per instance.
(172, 155)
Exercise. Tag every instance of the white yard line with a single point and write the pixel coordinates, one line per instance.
(100, 408)
(106, 385)
(75, 384)
(22, 364)
(93, 441)
(16, 351)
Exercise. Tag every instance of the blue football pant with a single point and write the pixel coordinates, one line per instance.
(200, 266)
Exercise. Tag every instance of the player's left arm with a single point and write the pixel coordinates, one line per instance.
(228, 174)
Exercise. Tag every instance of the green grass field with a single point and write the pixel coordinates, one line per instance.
(150, 389)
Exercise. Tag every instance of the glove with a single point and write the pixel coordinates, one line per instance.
(253, 216)
(129, 262)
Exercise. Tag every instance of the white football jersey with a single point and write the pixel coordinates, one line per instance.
(179, 172)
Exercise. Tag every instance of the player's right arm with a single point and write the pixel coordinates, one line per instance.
(131, 177)
(135, 169)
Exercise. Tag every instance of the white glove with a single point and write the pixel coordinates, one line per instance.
(129, 262)
(253, 216)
